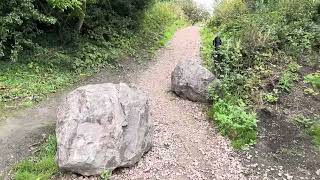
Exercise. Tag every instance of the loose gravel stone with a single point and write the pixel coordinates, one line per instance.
(185, 144)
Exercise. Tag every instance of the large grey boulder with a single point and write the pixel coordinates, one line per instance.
(102, 127)
(191, 81)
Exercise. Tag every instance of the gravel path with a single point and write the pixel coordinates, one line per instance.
(186, 146)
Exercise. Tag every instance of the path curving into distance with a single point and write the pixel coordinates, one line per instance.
(185, 144)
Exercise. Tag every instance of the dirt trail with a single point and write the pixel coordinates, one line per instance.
(29, 127)
(186, 146)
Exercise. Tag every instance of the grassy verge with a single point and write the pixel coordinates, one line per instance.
(51, 68)
(259, 61)
(170, 31)
(41, 165)
(22, 85)
(207, 36)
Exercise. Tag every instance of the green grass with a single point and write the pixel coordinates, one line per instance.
(22, 85)
(207, 36)
(40, 166)
(105, 175)
(170, 31)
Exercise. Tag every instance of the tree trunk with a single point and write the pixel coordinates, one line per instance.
(82, 16)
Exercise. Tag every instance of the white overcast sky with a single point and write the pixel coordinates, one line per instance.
(207, 4)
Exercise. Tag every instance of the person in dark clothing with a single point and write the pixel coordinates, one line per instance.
(217, 42)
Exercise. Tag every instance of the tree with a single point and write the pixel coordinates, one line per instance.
(79, 8)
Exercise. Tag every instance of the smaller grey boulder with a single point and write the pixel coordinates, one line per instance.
(103, 127)
(191, 81)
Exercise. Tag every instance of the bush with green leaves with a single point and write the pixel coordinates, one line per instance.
(259, 37)
(59, 55)
(21, 21)
(234, 122)
(252, 38)
(18, 25)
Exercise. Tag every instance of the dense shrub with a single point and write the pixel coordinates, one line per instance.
(251, 38)
(21, 21)
(56, 54)
(79, 34)
(229, 9)
(18, 25)
(256, 36)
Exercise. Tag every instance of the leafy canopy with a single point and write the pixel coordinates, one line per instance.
(68, 4)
